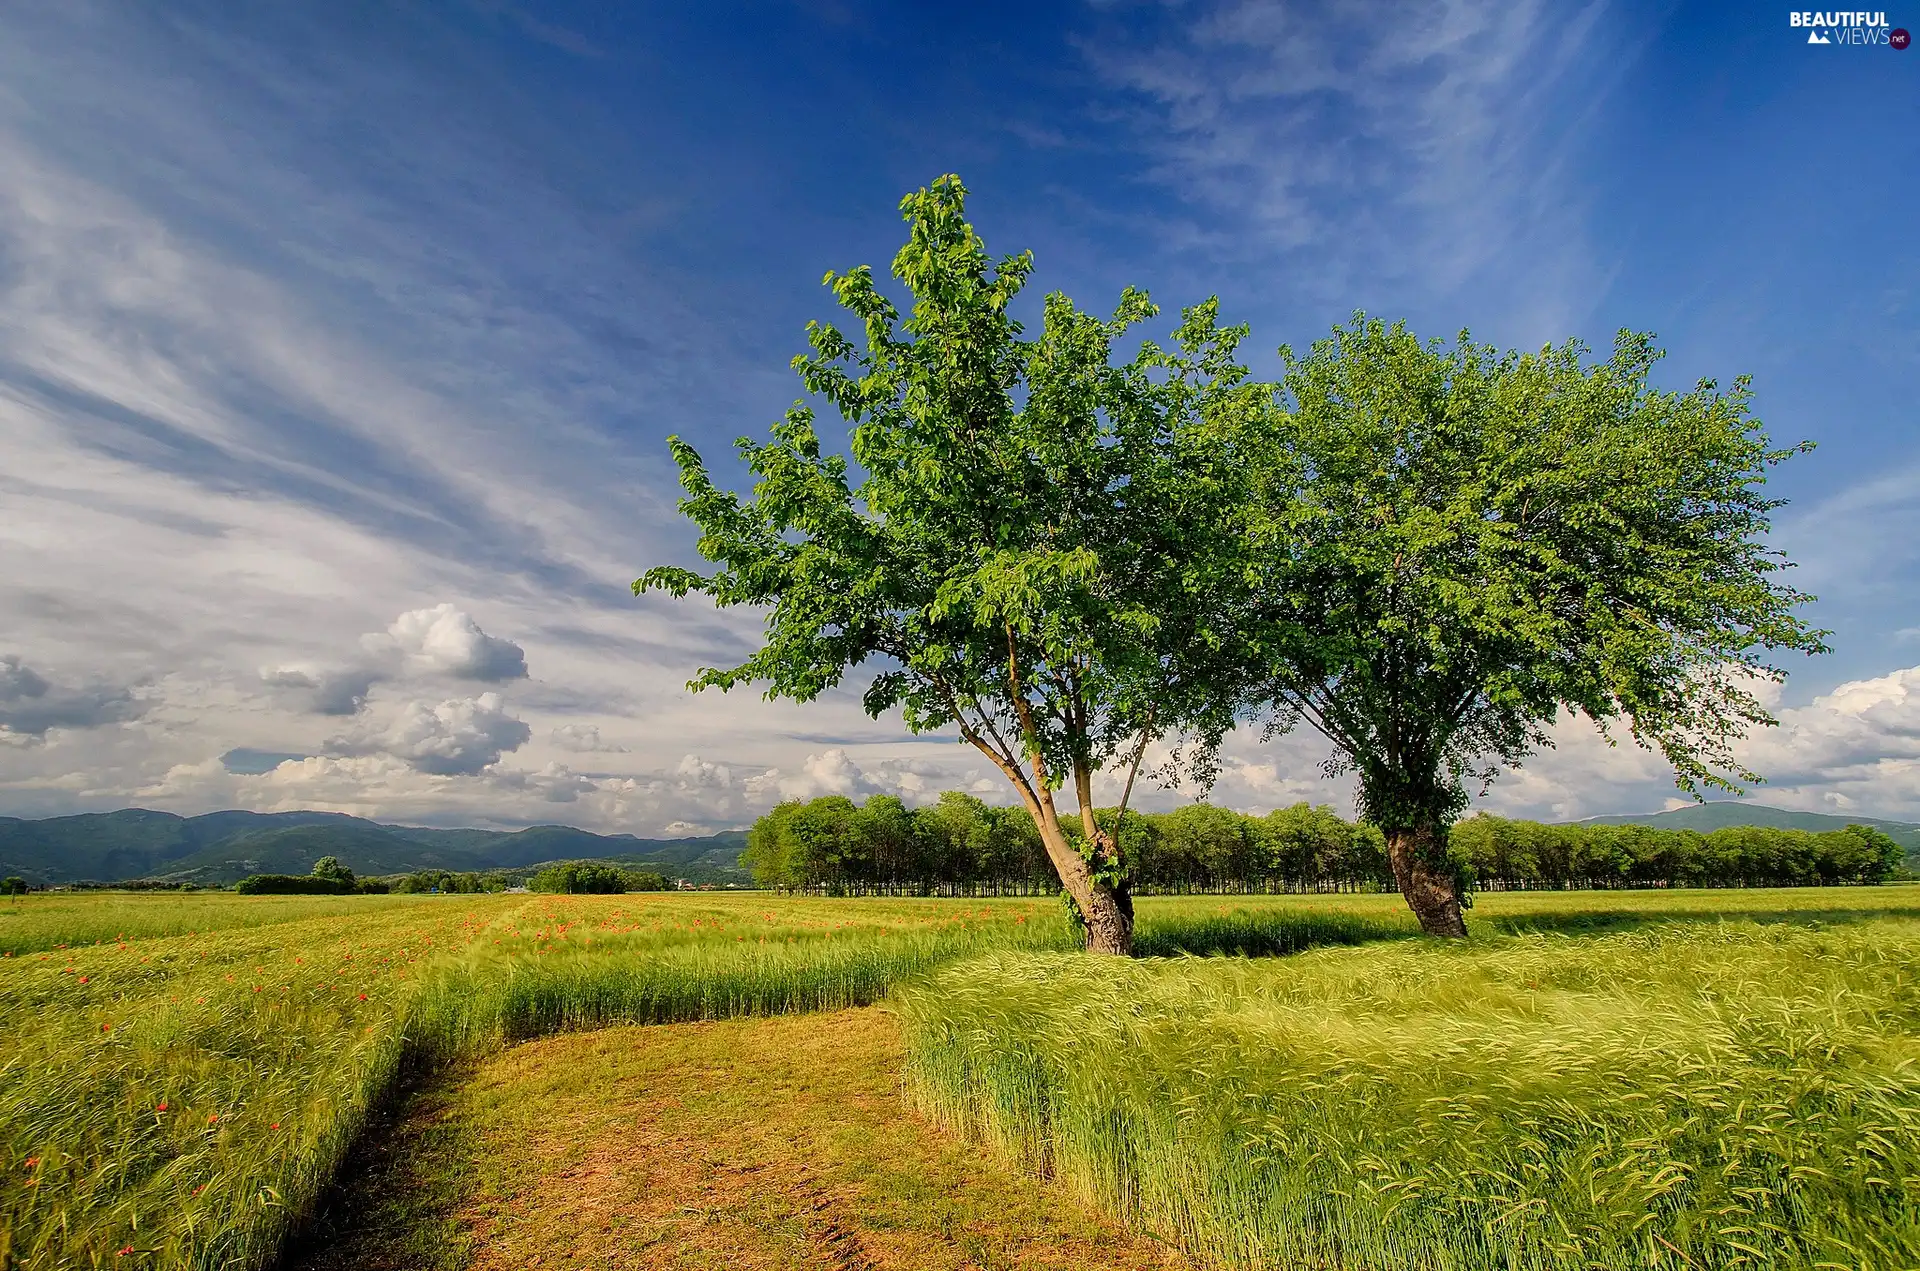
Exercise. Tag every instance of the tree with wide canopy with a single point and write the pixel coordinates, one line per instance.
(1446, 547)
(1025, 547)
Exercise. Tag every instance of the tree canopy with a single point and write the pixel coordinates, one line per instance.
(1024, 546)
(331, 869)
(1448, 545)
(1427, 551)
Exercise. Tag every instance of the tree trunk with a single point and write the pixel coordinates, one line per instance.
(1107, 911)
(1109, 920)
(1430, 889)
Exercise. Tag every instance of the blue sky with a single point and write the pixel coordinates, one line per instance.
(341, 343)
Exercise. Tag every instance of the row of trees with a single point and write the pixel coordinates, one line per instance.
(329, 877)
(454, 882)
(595, 878)
(961, 844)
(1075, 558)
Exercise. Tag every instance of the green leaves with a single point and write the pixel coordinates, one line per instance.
(1426, 549)
(1452, 544)
(1023, 541)
(1011, 541)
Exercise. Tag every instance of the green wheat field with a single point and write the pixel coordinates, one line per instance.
(1594, 1080)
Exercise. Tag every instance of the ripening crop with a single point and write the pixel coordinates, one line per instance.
(1685, 1093)
(180, 1101)
(1596, 1080)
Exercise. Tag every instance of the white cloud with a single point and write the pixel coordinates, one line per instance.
(584, 739)
(837, 771)
(458, 737)
(442, 640)
(446, 640)
(555, 783)
(696, 773)
(1855, 749)
(257, 401)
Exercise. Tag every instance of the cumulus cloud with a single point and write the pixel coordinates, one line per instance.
(448, 641)
(696, 773)
(457, 737)
(584, 739)
(555, 783)
(1853, 750)
(442, 640)
(30, 704)
(835, 771)
(335, 690)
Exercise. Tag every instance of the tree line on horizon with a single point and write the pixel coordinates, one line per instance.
(965, 846)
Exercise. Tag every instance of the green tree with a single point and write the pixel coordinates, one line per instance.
(1449, 545)
(13, 885)
(890, 847)
(956, 837)
(1028, 552)
(330, 868)
(825, 844)
(1202, 844)
(581, 878)
(768, 854)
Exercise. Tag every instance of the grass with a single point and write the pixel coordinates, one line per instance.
(1670, 1092)
(183, 1100)
(50, 921)
(748, 1143)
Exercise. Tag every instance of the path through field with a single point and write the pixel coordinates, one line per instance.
(753, 1145)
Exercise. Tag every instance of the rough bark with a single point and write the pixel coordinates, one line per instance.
(1108, 912)
(1109, 920)
(1430, 889)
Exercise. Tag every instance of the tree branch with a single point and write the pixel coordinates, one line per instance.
(1133, 768)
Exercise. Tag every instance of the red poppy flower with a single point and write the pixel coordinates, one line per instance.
(162, 1107)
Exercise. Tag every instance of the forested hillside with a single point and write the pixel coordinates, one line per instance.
(221, 847)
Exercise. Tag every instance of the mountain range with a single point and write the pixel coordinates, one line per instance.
(221, 847)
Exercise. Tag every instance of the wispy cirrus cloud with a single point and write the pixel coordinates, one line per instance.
(1376, 153)
(312, 318)
(286, 355)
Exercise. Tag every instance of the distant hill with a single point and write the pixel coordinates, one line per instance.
(221, 847)
(1726, 812)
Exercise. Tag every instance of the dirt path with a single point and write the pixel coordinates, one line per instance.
(751, 1145)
